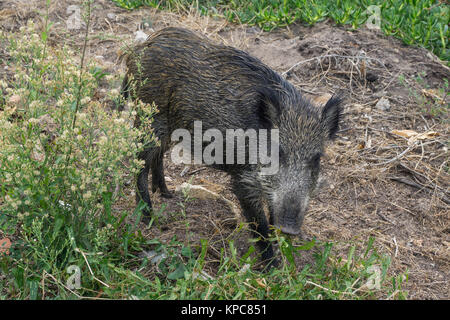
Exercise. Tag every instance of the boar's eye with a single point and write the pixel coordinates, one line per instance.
(315, 161)
(282, 155)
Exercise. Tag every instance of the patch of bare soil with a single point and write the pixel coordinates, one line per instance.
(393, 185)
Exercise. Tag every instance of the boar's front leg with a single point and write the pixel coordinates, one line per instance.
(142, 193)
(158, 180)
(153, 157)
(252, 209)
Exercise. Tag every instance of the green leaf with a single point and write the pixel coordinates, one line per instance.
(57, 226)
(307, 246)
(178, 273)
(73, 106)
(18, 277)
(187, 252)
(247, 254)
(350, 257)
(33, 285)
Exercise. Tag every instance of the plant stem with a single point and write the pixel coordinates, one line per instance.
(80, 82)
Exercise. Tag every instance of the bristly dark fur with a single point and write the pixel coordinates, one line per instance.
(192, 79)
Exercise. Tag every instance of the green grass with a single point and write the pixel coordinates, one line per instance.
(181, 276)
(416, 22)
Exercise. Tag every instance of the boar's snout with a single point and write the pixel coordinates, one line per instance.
(290, 230)
(290, 225)
(290, 218)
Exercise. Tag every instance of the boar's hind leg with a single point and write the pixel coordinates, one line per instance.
(253, 211)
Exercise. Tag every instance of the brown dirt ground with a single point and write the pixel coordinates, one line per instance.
(373, 188)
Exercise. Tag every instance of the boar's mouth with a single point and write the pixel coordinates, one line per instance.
(289, 226)
(290, 230)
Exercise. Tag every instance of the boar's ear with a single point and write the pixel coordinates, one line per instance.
(268, 106)
(331, 114)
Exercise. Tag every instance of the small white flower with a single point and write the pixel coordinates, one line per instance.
(85, 100)
(87, 195)
(102, 140)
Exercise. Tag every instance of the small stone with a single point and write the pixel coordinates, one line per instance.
(198, 192)
(383, 104)
(140, 36)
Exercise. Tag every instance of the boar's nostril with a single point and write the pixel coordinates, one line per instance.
(289, 225)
